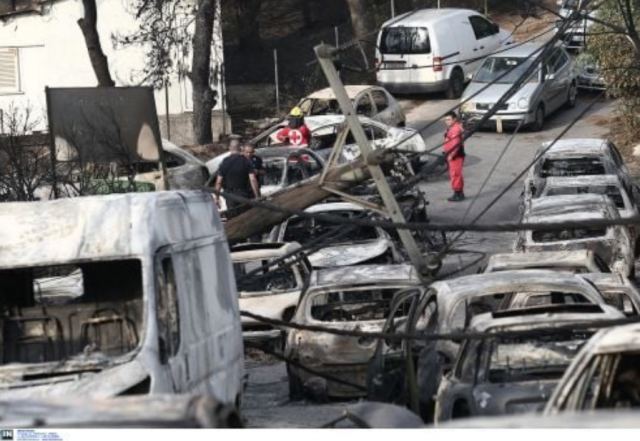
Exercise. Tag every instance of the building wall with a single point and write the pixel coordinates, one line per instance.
(52, 52)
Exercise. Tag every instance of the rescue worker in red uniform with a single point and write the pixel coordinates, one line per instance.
(296, 134)
(454, 154)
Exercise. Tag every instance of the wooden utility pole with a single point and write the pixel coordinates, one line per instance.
(258, 220)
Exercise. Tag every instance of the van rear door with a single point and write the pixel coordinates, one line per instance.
(403, 49)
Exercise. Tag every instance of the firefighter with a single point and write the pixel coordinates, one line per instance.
(454, 154)
(296, 134)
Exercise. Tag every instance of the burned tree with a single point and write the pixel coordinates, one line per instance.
(24, 159)
(99, 62)
(171, 31)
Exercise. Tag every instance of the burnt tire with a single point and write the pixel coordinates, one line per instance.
(456, 84)
(296, 388)
(572, 96)
(538, 122)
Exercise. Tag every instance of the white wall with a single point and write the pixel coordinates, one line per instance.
(52, 53)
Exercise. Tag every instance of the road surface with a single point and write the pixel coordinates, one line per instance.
(266, 402)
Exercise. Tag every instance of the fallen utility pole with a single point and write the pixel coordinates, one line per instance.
(326, 55)
(257, 219)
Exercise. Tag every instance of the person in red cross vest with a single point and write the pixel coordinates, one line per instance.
(296, 134)
(454, 154)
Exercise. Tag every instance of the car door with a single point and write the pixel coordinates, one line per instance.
(563, 76)
(487, 36)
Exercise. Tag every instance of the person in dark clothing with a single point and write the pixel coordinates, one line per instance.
(236, 175)
(249, 151)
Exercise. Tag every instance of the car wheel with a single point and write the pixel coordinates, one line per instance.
(571, 97)
(456, 84)
(296, 388)
(538, 123)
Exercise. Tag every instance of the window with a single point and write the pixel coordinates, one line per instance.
(9, 78)
(59, 312)
(354, 306)
(273, 279)
(561, 61)
(504, 70)
(572, 167)
(482, 28)
(364, 106)
(172, 160)
(380, 100)
(405, 40)
(168, 313)
(552, 62)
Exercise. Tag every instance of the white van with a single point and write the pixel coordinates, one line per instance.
(152, 307)
(434, 50)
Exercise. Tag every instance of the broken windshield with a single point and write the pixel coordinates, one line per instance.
(352, 306)
(611, 191)
(274, 172)
(494, 70)
(533, 358)
(267, 279)
(572, 167)
(303, 231)
(53, 313)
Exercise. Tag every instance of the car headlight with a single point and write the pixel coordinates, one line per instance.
(523, 103)
(467, 107)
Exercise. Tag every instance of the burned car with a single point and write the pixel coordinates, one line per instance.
(604, 375)
(448, 306)
(623, 196)
(286, 166)
(267, 288)
(325, 129)
(184, 171)
(349, 298)
(613, 243)
(151, 306)
(573, 157)
(515, 374)
(576, 261)
(371, 101)
(132, 412)
(618, 291)
(337, 244)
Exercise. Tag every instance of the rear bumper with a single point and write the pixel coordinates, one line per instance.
(409, 87)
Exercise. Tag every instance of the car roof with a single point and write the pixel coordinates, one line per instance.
(542, 317)
(426, 17)
(617, 339)
(579, 207)
(568, 258)
(328, 94)
(454, 290)
(315, 121)
(365, 275)
(578, 181)
(577, 147)
(255, 251)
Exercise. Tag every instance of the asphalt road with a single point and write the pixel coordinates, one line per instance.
(266, 402)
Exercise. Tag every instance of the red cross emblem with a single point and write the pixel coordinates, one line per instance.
(295, 137)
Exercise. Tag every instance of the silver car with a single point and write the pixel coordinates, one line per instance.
(548, 89)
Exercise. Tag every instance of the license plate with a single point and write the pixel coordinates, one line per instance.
(394, 64)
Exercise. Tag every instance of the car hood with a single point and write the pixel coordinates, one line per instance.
(106, 383)
(349, 254)
(494, 92)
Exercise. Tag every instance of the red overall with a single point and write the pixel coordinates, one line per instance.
(454, 151)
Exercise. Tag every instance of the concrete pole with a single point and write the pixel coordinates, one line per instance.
(393, 8)
(277, 80)
(166, 109)
(325, 57)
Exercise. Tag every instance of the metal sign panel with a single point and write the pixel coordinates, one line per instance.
(104, 124)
